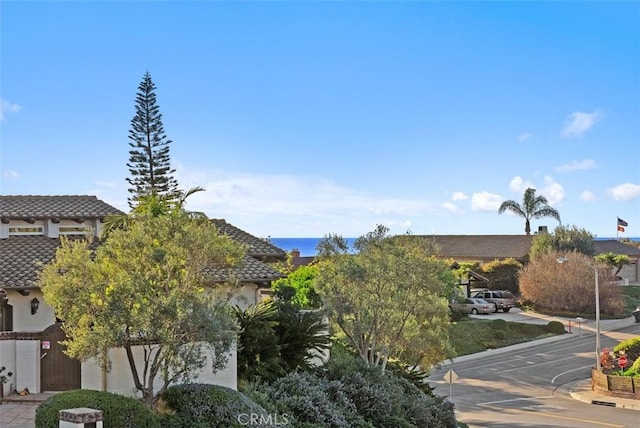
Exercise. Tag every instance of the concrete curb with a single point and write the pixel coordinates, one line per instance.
(606, 325)
(582, 392)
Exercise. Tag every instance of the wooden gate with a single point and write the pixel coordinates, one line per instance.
(58, 372)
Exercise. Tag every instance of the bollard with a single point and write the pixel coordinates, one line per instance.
(570, 327)
(80, 417)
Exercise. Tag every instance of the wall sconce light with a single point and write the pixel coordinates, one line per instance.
(35, 304)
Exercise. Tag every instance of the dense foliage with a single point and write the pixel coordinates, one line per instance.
(276, 339)
(503, 274)
(202, 405)
(348, 393)
(390, 298)
(148, 285)
(149, 160)
(117, 410)
(564, 239)
(630, 347)
(569, 287)
(298, 289)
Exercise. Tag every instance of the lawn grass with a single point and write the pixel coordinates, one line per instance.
(631, 296)
(474, 335)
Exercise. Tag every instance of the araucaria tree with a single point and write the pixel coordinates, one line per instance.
(532, 207)
(149, 160)
(148, 289)
(389, 299)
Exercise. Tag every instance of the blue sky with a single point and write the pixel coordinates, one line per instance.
(308, 118)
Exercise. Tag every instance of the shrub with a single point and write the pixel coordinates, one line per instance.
(555, 327)
(308, 399)
(568, 287)
(457, 314)
(202, 405)
(503, 274)
(631, 348)
(117, 410)
(345, 392)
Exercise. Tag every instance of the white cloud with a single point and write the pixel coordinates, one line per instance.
(554, 192)
(578, 122)
(525, 136)
(8, 107)
(588, 196)
(577, 165)
(286, 205)
(451, 207)
(519, 185)
(551, 190)
(625, 192)
(11, 175)
(459, 196)
(485, 201)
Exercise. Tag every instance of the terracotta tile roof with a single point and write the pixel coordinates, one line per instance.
(616, 247)
(257, 247)
(61, 207)
(20, 256)
(250, 270)
(482, 247)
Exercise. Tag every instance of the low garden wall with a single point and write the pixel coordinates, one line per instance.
(615, 386)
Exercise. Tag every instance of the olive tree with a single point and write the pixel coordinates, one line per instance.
(149, 285)
(389, 299)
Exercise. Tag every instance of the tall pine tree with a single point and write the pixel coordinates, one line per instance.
(149, 161)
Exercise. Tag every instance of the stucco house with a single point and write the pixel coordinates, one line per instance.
(30, 230)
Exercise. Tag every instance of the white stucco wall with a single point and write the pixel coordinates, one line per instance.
(120, 379)
(27, 374)
(8, 360)
(246, 296)
(23, 321)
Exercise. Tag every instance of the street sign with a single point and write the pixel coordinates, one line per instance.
(450, 376)
(622, 361)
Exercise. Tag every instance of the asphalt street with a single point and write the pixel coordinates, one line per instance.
(530, 386)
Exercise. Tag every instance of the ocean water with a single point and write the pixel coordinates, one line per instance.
(307, 246)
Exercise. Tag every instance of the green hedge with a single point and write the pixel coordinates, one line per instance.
(117, 410)
(555, 327)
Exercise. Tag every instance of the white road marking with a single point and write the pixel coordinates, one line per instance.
(569, 371)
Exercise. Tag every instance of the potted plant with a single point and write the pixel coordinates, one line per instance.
(3, 379)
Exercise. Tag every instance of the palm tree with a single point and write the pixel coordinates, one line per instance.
(532, 207)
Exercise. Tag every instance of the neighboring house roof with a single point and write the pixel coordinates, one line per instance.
(256, 247)
(482, 247)
(615, 247)
(20, 255)
(54, 207)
